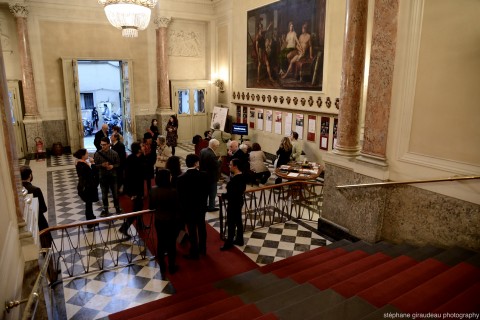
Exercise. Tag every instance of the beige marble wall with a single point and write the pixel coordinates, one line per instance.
(399, 214)
(55, 131)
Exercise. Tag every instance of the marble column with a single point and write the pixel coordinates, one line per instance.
(10, 146)
(28, 85)
(380, 82)
(353, 62)
(163, 89)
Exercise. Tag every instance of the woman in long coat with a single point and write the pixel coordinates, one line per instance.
(172, 135)
(87, 182)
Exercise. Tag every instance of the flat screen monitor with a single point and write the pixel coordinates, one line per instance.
(240, 129)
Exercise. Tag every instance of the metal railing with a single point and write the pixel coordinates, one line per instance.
(265, 206)
(33, 298)
(96, 245)
(393, 183)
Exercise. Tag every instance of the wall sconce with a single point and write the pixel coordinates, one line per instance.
(219, 84)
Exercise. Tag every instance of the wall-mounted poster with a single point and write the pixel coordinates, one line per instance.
(219, 115)
(244, 115)
(260, 119)
(299, 125)
(239, 114)
(288, 123)
(285, 45)
(324, 132)
(312, 124)
(252, 118)
(334, 140)
(278, 122)
(268, 124)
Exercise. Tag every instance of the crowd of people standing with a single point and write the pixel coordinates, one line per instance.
(180, 200)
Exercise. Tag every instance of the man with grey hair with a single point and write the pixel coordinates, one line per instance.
(240, 153)
(223, 138)
(210, 164)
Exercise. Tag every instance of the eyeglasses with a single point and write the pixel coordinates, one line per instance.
(104, 144)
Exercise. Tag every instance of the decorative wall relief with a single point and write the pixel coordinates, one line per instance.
(275, 98)
(328, 102)
(263, 98)
(281, 99)
(319, 102)
(302, 102)
(243, 95)
(258, 97)
(238, 95)
(234, 94)
(185, 43)
(337, 103)
(248, 95)
(310, 101)
(288, 100)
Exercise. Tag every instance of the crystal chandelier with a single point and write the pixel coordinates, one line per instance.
(128, 15)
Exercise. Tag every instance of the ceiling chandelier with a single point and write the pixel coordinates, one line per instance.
(128, 15)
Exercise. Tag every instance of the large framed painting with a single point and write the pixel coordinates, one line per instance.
(285, 45)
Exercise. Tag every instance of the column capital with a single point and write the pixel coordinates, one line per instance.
(18, 8)
(162, 22)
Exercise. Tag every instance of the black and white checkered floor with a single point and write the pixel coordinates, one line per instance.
(100, 294)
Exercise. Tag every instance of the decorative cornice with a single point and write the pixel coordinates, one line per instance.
(162, 22)
(18, 10)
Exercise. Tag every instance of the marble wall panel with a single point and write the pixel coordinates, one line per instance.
(358, 210)
(55, 131)
(421, 217)
(399, 214)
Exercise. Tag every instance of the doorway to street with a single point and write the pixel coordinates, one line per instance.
(100, 86)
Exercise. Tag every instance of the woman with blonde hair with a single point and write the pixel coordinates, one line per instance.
(284, 151)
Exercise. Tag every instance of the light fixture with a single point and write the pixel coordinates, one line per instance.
(219, 84)
(128, 15)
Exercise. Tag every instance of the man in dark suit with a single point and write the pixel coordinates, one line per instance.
(103, 133)
(234, 195)
(119, 148)
(27, 177)
(209, 163)
(192, 189)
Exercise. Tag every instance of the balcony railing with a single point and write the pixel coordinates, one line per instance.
(78, 249)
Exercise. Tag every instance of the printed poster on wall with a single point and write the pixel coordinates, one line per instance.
(268, 124)
(239, 114)
(260, 119)
(324, 132)
(312, 124)
(245, 114)
(334, 140)
(252, 118)
(288, 123)
(278, 122)
(299, 125)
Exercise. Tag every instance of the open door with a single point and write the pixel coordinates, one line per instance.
(128, 123)
(16, 117)
(72, 96)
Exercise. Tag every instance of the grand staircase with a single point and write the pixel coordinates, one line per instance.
(341, 281)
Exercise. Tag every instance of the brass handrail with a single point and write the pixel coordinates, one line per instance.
(391, 183)
(32, 299)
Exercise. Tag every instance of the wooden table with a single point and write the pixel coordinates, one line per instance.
(295, 171)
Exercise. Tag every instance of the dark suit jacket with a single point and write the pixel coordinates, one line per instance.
(192, 187)
(98, 136)
(42, 206)
(209, 163)
(243, 157)
(119, 148)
